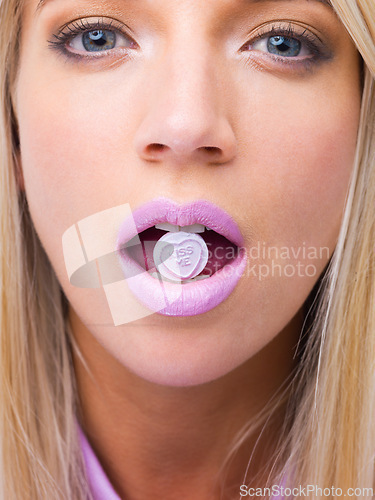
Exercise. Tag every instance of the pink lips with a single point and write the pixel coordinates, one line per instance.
(174, 299)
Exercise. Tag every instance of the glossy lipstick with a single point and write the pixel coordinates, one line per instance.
(175, 299)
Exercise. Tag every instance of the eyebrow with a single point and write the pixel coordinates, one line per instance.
(41, 3)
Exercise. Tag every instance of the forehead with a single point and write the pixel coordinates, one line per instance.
(42, 3)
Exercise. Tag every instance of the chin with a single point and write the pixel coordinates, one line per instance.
(182, 370)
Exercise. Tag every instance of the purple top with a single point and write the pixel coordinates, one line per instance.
(99, 483)
(100, 486)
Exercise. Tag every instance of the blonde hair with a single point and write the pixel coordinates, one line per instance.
(40, 454)
(333, 435)
(329, 432)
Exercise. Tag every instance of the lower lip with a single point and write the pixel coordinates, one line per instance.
(188, 299)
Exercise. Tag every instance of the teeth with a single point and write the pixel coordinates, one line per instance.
(198, 278)
(193, 228)
(159, 277)
(165, 226)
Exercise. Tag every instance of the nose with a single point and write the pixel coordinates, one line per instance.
(185, 119)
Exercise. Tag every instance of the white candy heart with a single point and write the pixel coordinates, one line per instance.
(180, 256)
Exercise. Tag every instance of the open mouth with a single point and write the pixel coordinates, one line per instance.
(209, 263)
(221, 251)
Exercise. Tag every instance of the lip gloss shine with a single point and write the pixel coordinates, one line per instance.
(181, 299)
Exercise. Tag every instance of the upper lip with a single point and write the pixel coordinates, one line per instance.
(165, 210)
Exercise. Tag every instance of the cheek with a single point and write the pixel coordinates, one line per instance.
(300, 161)
(67, 135)
(64, 142)
(73, 140)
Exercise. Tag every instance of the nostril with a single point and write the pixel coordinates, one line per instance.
(153, 150)
(211, 149)
(155, 147)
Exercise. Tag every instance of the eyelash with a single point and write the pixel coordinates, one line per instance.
(312, 42)
(80, 26)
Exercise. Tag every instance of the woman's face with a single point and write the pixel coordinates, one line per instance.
(272, 87)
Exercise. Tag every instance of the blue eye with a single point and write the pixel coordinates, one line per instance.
(284, 46)
(86, 37)
(281, 45)
(98, 40)
(287, 43)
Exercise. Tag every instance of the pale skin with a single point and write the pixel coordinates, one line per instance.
(170, 393)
